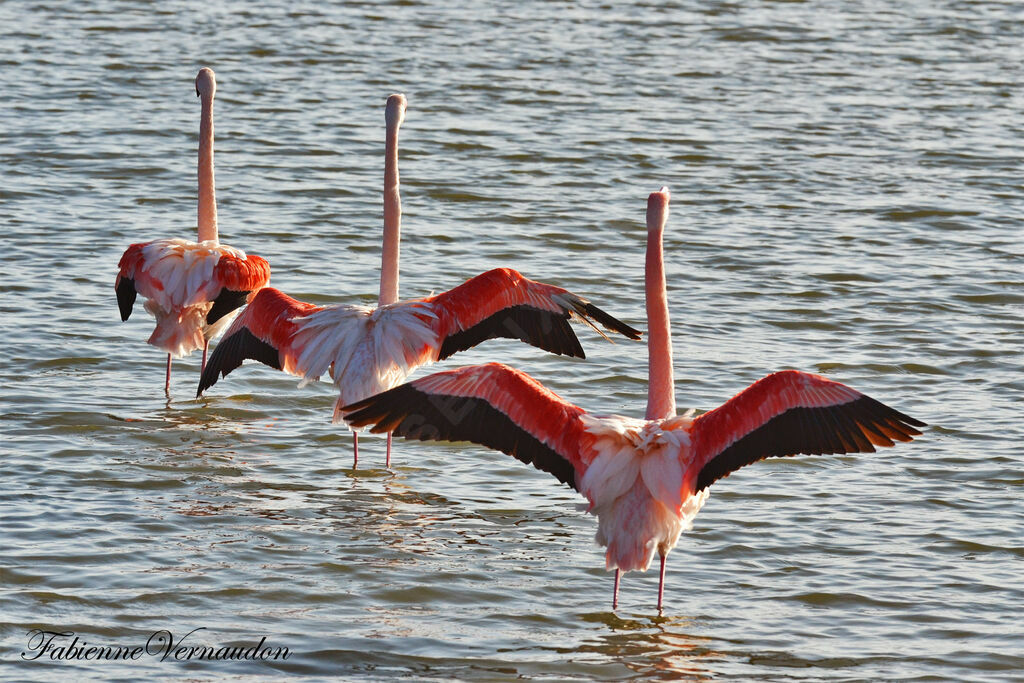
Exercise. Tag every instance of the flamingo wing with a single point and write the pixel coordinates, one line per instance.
(125, 288)
(492, 405)
(227, 301)
(238, 278)
(263, 333)
(179, 273)
(503, 303)
(124, 285)
(787, 413)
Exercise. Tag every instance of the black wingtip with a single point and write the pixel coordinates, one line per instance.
(229, 354)
(226, 302)
(610, 322)
(845, 428)
(352, 411)
(369, 411)
(884, 411)
(207, 379)
(546, 330)
(126, 296)
(209, 376)
(408, 412)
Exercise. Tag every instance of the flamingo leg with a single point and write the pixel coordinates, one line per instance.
(615, 590)
(355, 449)
(206, 346)
(167, 377)
(661, 584)
(387, 460)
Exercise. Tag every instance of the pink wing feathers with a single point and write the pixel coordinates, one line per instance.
(787, 413)
(371, 350)
(189, 287)
(238, 278)
(503, 303)
(492, 405)
(263, 332)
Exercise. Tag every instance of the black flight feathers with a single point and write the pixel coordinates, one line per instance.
(227, 300)
(547, 330)
(231, 351)
(852, 427)
(126, 296)
(847, 428)
(414, 414)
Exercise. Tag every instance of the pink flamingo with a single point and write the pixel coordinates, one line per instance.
(645, 479)
(193, 289)
(369, 349)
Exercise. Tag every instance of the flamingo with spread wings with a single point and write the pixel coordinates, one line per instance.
(369, 349)
(193, 289)
(645, 479)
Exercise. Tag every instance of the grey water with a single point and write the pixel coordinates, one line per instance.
(847, 199)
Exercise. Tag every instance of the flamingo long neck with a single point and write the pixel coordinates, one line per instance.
(394, 115)
(207, 195)
(661, 399)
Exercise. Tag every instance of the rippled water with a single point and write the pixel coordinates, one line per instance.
(847, 199)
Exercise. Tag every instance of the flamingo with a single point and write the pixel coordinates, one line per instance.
(369, 349)
(193, 289)
(645, 480)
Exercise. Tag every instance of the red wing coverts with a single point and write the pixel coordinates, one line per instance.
(483, 404)
(227, 301)
(503, 303)
(240, 277)
(408, 412)
(257, 334)
(843, 421)
(237, 277)
(547, 330)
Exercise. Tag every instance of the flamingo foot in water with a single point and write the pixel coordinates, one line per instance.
(615, 591)
(387, 458)
(355, 449)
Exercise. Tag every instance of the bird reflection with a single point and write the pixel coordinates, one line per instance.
(654, 647)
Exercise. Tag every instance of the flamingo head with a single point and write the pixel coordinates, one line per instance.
(657, 209)
(206, 82)
(394, 112)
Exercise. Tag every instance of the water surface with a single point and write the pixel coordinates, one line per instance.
(847, 199)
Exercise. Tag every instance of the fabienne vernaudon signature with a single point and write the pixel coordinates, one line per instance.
(162, 645)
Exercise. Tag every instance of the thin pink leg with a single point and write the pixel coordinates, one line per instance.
(661, 584)
(615, 590)
(355, 449)
(205, 347)
(167, 377)
(387, 459)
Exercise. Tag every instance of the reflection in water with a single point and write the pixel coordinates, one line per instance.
(657, 647)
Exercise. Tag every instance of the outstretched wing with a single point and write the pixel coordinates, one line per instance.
(503, 303)
(787, 413)
(263, 332)
(492, 405)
